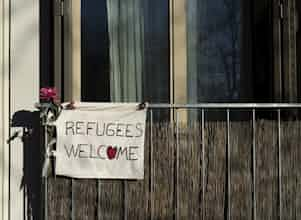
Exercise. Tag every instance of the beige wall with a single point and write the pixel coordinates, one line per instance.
(4, 107)
(19, 90)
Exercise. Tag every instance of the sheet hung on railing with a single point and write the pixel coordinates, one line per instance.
(101, 140)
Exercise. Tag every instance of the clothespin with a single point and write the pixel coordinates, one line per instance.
(70, 106)
(142, 105)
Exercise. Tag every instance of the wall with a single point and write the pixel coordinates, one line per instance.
(19, 90)
(4, 107)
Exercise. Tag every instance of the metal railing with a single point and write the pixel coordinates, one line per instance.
(202, 109)
(227, 107)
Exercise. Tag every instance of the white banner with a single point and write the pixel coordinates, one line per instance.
(101, 140)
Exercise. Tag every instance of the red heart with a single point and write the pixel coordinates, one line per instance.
(111, 152)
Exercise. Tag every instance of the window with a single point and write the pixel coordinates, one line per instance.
(180, 51)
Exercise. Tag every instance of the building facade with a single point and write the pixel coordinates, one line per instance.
(171, 51)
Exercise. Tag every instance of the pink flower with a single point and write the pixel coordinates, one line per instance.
(48, 94)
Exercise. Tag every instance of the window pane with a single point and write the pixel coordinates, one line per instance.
(125, 50)
(94, 51)
(229, 50)
(157, 51)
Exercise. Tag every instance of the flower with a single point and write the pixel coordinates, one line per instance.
(49, 105)
(48, 94)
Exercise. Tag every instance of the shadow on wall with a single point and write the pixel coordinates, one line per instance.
(33, 159)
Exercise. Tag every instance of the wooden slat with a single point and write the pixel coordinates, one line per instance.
(298, 175)
(189, 185)
(163, 180)
(59, 199)
(289, 140)
(111, 201)
(241, 170)
(215, 189)
(136, 199)
(137, 193)
(85, 199)
(267, 170)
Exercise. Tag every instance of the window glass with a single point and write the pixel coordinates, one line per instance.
(229, 50)
(298, 47)
(125, 50)
(94, 51)
(157, 51)
(126, 54)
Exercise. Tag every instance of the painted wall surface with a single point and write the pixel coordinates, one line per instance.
(4, 107)
(19, 90)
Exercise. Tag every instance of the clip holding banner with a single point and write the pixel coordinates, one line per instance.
(142, 105)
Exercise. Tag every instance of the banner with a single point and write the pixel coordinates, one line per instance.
(101, 140)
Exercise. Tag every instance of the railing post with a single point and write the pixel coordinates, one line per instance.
(203, 163)
(177, 166)
(72, 200)
(45, 178)
(228, 167)
(98, 183)
(279, 164)
(254, 164)
(152, 166)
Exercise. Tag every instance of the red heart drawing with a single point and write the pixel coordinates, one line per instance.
(111, 152)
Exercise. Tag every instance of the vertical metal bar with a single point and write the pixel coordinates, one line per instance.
(152, 165)
(98, 200)
(203, 163)
(177, 166)
(46, 178)
(125, 205)
(228, 167)
(72, 200)
(279, 164)
(254, 163)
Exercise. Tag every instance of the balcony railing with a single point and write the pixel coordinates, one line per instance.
(200, 169)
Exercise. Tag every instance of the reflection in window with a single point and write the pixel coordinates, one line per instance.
(229, 51)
